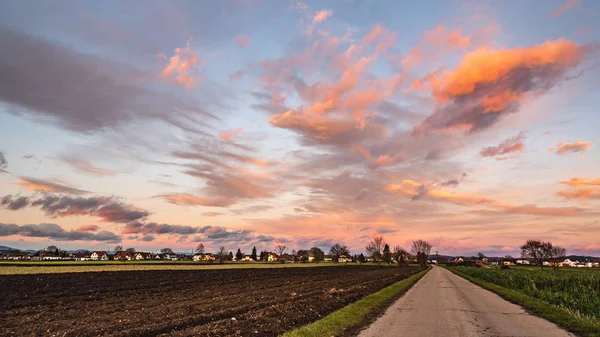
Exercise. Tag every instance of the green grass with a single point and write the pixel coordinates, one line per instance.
(569, 299)
(99, 266)
(354, 314)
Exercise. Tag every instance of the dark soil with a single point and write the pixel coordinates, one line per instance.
(230, 302)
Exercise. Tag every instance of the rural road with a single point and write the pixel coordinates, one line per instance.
(444, 304)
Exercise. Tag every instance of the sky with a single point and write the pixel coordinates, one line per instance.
(470, 124)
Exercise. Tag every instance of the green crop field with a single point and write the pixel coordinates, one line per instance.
(577, 290)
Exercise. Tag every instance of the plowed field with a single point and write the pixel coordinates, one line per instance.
(236, 302)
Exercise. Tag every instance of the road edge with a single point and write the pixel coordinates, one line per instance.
(559, 316)
(353, 315)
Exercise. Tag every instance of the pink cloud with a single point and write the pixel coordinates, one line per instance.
(242, 41)
(228, 134)
(181, 68)
(577, 182)
(566, 6)
(507, 147)
(87, 228)
(321, 16)
(566, 148)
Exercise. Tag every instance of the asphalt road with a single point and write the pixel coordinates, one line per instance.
(443, 304)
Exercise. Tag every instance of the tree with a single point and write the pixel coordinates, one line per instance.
(254, 257)
(52, 249)
(222, 254)
(374, 248)
(421, 249)
(337, 250)
(239, 255)
(131, 250)
(361, 258)
(230, 256)
(317, 254)
(118, 248)
(263, 256)
(387, 255)
(279, 250)
(538, 251)
(556, 255)
(200, 249)
(480, 256)
(400, 255)
(167, 251)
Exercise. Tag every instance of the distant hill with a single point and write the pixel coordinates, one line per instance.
(582, 258)
(22, 250)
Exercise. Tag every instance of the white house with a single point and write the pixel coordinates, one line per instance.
(271, 257)
(569, 263)
(522, 262)
(344, 258)
(99, 256)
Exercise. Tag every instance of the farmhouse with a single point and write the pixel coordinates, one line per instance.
(99, 256)
(204, 257)
(122, 256)
(458, 259)
(14, 255)
(344, 258)
(83, 256)
(272, 257)
(522, 262)
(327, 258)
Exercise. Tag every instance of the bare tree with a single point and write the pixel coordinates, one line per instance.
(537, 250)
(421, 249)
(222, 254)
(118, 248)
(200, 249)
(166, 251)
(400, 255)
(337, 250)
(556, 254)
(375, 247)
(279, 250)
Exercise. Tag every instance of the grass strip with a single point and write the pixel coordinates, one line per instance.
(352, 315)
(581, 326)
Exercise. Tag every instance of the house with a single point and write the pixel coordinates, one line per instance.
(142, 256)
(458, 259)
(203, 257)
(51, 258)
(569, 263)
(271, 257)
(327, 258)
(99, 256)
(311, 258)
(15, 255)
(159, 256)
(344, 258)
(171, 257)
(123, 256)
(83, 256)
(522, 262)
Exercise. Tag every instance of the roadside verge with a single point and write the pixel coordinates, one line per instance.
(353, 315)
(581, 326)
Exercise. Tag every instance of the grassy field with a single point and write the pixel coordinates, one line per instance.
(91, 266)
(568, 297)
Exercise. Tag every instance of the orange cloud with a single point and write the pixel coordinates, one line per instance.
(436, 41)
(193, 200)
(181, 67)
(87, 228)
(511, 145)
(489, 84)
(242, 41)
(211, 213)
(566, 6)
(228, 134)
(580, 194)
(246, 159)
(321, 16)
(576, 182)
(566, 148)
(544, 211)
(32, 184)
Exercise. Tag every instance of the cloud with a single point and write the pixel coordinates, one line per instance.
(181, 68)
(211, 213)
(228, 134)
(95, 93)
(3, 161)
(148, 238)
(87, 228)
(321, 15)
(490, 84)
(453, 182)
(186, 199)
(55, 232)
(566, 6)
(108, 209)
(14, 203)
(32, 184)
(242, 41)
(577, 182)
(581, 194)
(566, 148)
(507, 147)
(84, 166)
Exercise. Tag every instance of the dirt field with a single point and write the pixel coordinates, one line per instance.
(264, 302)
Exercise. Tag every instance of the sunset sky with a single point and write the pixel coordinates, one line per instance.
(471, 124)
